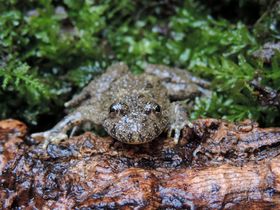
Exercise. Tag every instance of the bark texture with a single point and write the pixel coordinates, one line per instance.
(216, 165)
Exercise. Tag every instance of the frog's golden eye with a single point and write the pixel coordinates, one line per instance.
(152, 107)
(118, 108)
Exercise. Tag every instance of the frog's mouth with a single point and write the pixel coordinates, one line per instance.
(131, 130)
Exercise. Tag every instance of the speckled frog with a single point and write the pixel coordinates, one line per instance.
(133, 109)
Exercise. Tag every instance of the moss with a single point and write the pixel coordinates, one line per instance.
(50, 49)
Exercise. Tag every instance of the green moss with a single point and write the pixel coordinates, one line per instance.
(50, 49)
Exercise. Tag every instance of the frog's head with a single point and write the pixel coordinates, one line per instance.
(134, 121)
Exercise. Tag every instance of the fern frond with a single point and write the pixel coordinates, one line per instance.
(18, 76)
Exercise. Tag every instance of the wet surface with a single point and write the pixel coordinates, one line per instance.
(216, 165)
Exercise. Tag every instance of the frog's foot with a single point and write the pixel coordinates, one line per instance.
(48, 137)
(176, 128)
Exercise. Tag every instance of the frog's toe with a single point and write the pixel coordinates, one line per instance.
(175, 133)
(175, 130)
(42, 136)
(49, 137)
(57, 137)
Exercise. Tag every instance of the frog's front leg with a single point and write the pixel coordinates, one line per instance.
(59, 131)
(178, 120)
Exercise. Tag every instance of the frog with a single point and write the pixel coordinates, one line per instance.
(133, 109)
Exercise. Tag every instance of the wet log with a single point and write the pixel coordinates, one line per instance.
(216, 165)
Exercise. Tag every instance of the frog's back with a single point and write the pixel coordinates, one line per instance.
(141, 86)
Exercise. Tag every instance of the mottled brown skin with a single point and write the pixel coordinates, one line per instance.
(140, 114)
(133, 109)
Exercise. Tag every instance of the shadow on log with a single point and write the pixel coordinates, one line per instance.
(216, 165)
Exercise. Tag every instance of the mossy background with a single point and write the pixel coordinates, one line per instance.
(50, 49)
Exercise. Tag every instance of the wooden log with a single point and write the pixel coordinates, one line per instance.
(100, 173)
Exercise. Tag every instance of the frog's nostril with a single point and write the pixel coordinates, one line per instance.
(140, 96)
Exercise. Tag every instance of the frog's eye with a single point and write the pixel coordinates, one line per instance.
(118, 108)
(157, 108)
(152, 107)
